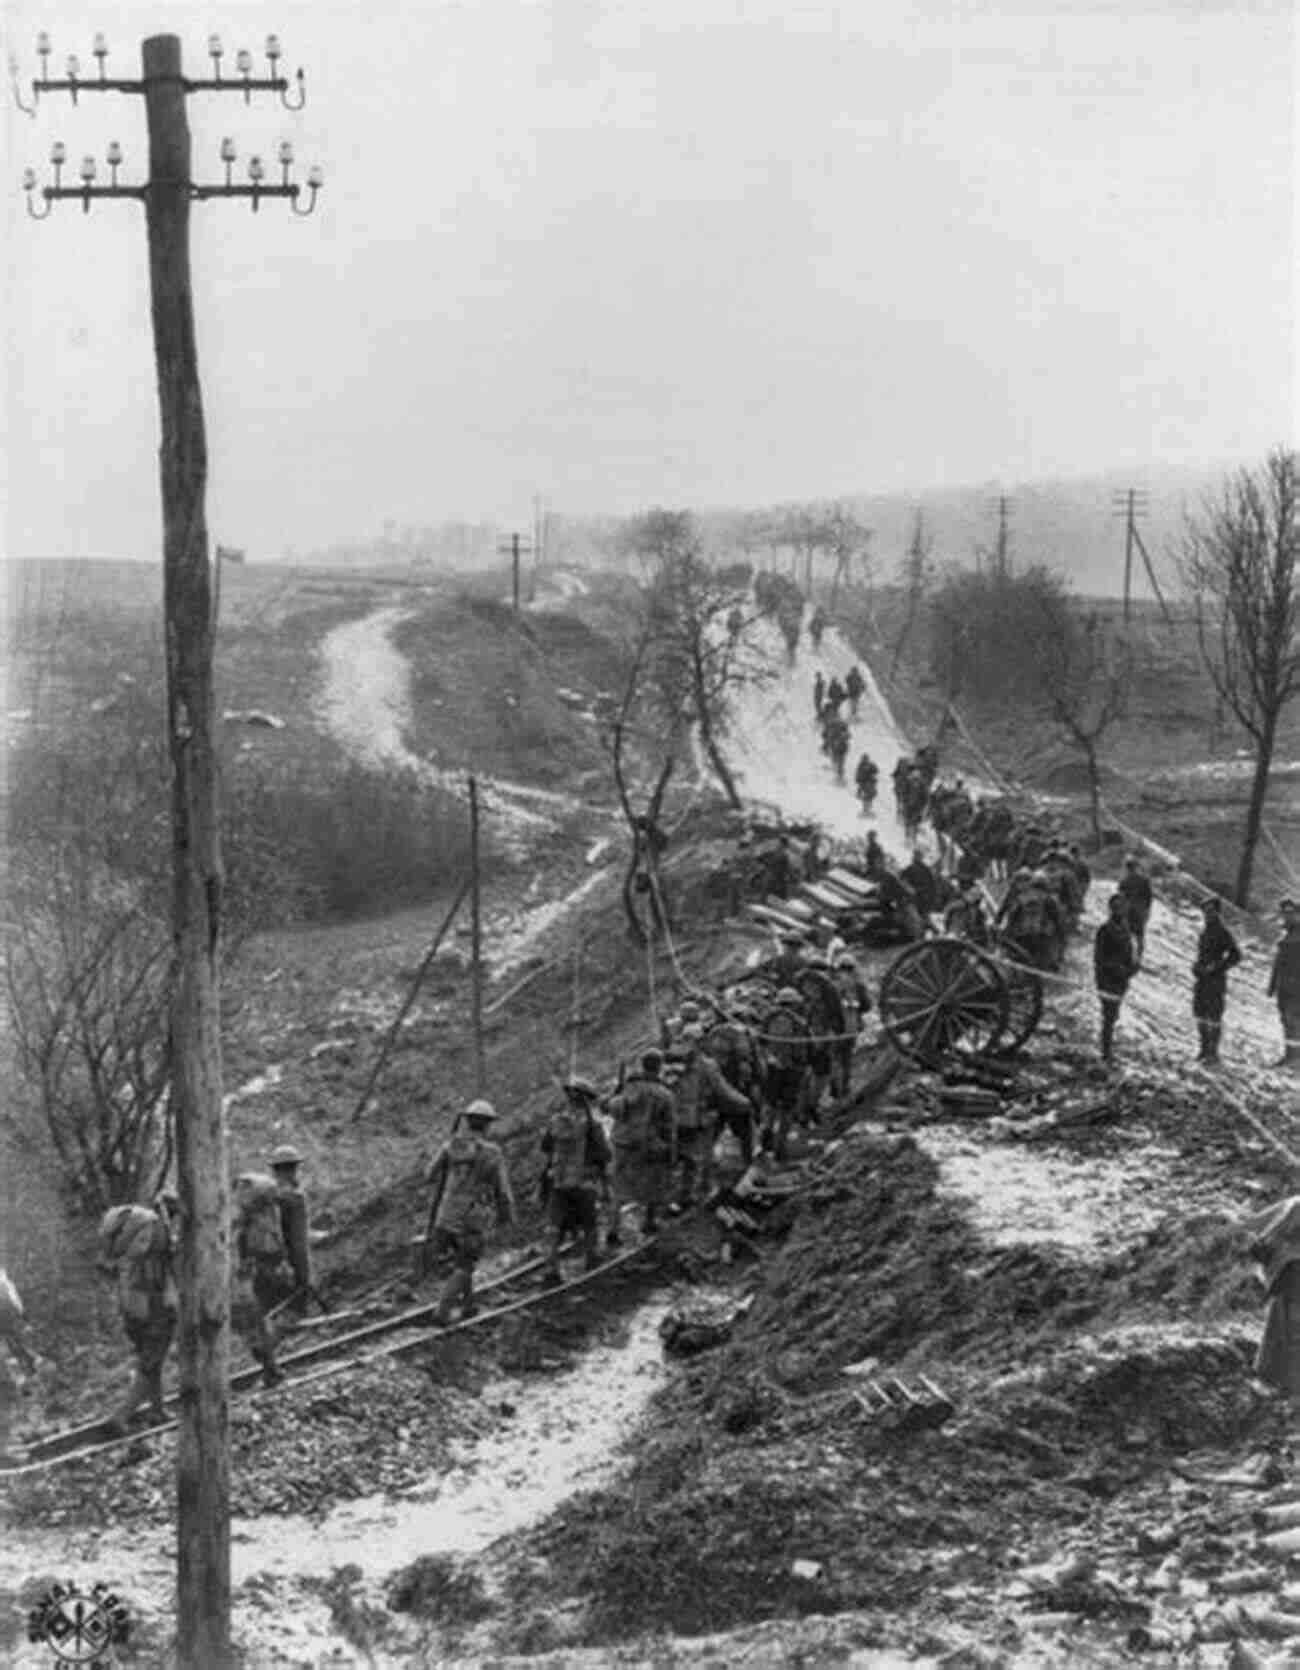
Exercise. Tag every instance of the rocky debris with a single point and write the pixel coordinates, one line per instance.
(374, 1429)
(701, 1323)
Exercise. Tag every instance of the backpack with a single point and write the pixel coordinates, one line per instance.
(257, 1223)
(126, 1233)
(569, 1135)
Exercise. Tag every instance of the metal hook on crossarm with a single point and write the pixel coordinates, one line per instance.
(302, 94)
(15, 89)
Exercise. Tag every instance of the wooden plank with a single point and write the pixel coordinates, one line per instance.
(849, 882)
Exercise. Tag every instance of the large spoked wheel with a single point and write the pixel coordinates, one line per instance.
(943, 997)
(1024, 998)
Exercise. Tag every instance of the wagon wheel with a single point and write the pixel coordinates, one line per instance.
(942, 996)
(1024, 999)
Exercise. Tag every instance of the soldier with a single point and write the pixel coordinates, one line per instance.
(1216, 952)
(1082, 872)
(855, 1000)
(1284, 982)
(471, 1192)
(135, 1244)
(1114, 963)
(672, 1026)
(644, 1113)
(922, 880)
(854, 685)
(261, 1274)
(295, 1222)
(865, 778)
(836, 695)
(791, 960)
(875, 863)
(965, 917)
(819, 694)
(13, 1328)
(579, 1161)
(787, 1075)
(1135, 890)
(703, 1094)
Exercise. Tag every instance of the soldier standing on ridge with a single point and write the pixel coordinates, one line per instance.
(1284, 983)
(471, 1191)
(1216, 952)
(1114, 963)
(1135, 890)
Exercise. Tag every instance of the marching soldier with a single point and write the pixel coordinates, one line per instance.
(644, 1113)
(703, 1094)
(295, 1226)
(855, 1000)
(579, 1161)
(135, 1245)
(471, 1191)
(261, 1277)
(13, 1329)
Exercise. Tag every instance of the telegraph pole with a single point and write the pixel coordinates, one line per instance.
(1132, 505)
(514, 548)
(203, 1453)
(476, 939)
(1002, 558)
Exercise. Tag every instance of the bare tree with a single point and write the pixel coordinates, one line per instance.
(1240, 559)
(88, 976)
(698, 643)
(916, 578)
(1085, 675)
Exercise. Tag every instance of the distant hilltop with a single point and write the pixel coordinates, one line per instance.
(1072, 526)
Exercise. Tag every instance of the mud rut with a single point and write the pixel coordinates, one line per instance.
(1081, 1205)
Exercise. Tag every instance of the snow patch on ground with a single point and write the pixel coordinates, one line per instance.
(566, 1433)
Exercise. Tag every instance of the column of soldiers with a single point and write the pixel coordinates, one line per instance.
(271, 1271)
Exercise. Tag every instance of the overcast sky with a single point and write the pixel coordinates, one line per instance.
(667, 251)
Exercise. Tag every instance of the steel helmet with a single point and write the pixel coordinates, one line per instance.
(689, 1009)
(693, 1033)
(788, 994)
(652, 1061)
(577, 1085)
(480, 1108)
(285, 1155)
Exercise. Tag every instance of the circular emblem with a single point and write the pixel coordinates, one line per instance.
(80, 1628)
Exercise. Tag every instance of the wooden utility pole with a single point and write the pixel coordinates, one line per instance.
(1132, 505)
(514, 548)
(476, 935)
(203, 1454)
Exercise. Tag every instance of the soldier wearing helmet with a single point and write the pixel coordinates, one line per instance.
(295, 1221)
(644, 1113)
(135, 1246)
(579, 1166)
(703, 1098)
(261, 1279)
(471, 1195)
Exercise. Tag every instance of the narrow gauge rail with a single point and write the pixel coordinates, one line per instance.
(82, 1443)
